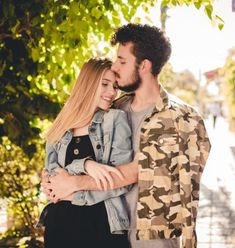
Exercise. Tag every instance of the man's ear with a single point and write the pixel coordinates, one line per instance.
(146, 66)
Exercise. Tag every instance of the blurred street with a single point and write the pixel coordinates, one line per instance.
(216, 220)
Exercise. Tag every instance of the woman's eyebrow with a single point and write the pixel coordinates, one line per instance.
(106, 79)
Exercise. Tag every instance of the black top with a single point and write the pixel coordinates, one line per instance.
(79, 147)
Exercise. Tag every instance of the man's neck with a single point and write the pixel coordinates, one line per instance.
(146, 95)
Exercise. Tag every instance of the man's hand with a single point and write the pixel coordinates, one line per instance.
(58, 187)
(102, 174)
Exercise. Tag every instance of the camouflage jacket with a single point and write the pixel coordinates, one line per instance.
(174, 147)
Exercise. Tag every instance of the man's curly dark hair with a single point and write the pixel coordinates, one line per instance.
(149, 42)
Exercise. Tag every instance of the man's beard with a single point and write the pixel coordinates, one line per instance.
(135, 82)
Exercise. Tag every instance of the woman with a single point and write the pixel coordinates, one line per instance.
(86, 129)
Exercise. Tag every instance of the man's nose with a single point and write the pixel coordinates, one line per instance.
(114, 67)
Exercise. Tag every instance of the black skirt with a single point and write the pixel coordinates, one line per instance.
(71, 226)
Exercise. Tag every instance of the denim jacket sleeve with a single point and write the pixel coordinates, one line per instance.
(119, 152)
(51, 161)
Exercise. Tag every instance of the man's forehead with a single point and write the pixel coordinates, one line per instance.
(124, 50)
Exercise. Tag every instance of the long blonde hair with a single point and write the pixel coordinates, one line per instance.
(81, 105)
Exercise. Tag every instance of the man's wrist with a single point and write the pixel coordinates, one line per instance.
(82, 182)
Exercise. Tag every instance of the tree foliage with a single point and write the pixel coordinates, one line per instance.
(20, 187)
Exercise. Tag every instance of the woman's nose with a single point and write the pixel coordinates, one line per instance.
(112, 91)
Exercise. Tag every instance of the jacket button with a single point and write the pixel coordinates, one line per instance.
(98, 146)
(92, 130)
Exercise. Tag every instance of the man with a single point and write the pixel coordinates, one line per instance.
(169, 140)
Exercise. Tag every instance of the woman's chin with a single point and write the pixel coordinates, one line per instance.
(105, 107)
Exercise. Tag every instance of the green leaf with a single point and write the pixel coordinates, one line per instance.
(96, 13)
(209, 10)
(197, 5)
(35, 54)
(14, 29)
(67, 78)
(174, 3)
(10, 88)
(164, 3)
(137, 20)
(107, 5)
(221, 26)
(180, 2)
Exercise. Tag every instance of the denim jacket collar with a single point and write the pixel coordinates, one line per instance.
(98, 117)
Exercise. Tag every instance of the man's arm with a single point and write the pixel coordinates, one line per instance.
(129, 171)
(64, 184)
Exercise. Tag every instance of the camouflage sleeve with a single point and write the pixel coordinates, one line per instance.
(195, 147)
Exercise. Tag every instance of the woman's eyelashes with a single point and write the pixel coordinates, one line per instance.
(115, 86)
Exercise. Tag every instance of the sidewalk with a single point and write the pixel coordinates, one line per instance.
(216, 219)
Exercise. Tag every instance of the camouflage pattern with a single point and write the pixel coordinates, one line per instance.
(174, 147)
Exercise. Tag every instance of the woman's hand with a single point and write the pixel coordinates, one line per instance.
(58, 187)
(102, 174)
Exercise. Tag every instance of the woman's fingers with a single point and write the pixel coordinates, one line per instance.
(108, 179)
(104, 182)
(115, 171)
(98, 183)
(102, 175)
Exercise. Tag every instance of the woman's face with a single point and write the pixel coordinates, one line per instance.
(108, 90)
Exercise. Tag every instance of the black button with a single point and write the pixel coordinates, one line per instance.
(98, 146)
(92, 130)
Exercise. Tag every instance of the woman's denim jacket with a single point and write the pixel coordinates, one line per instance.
(110, 136)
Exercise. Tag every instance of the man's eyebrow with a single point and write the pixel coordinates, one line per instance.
(120, 57)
